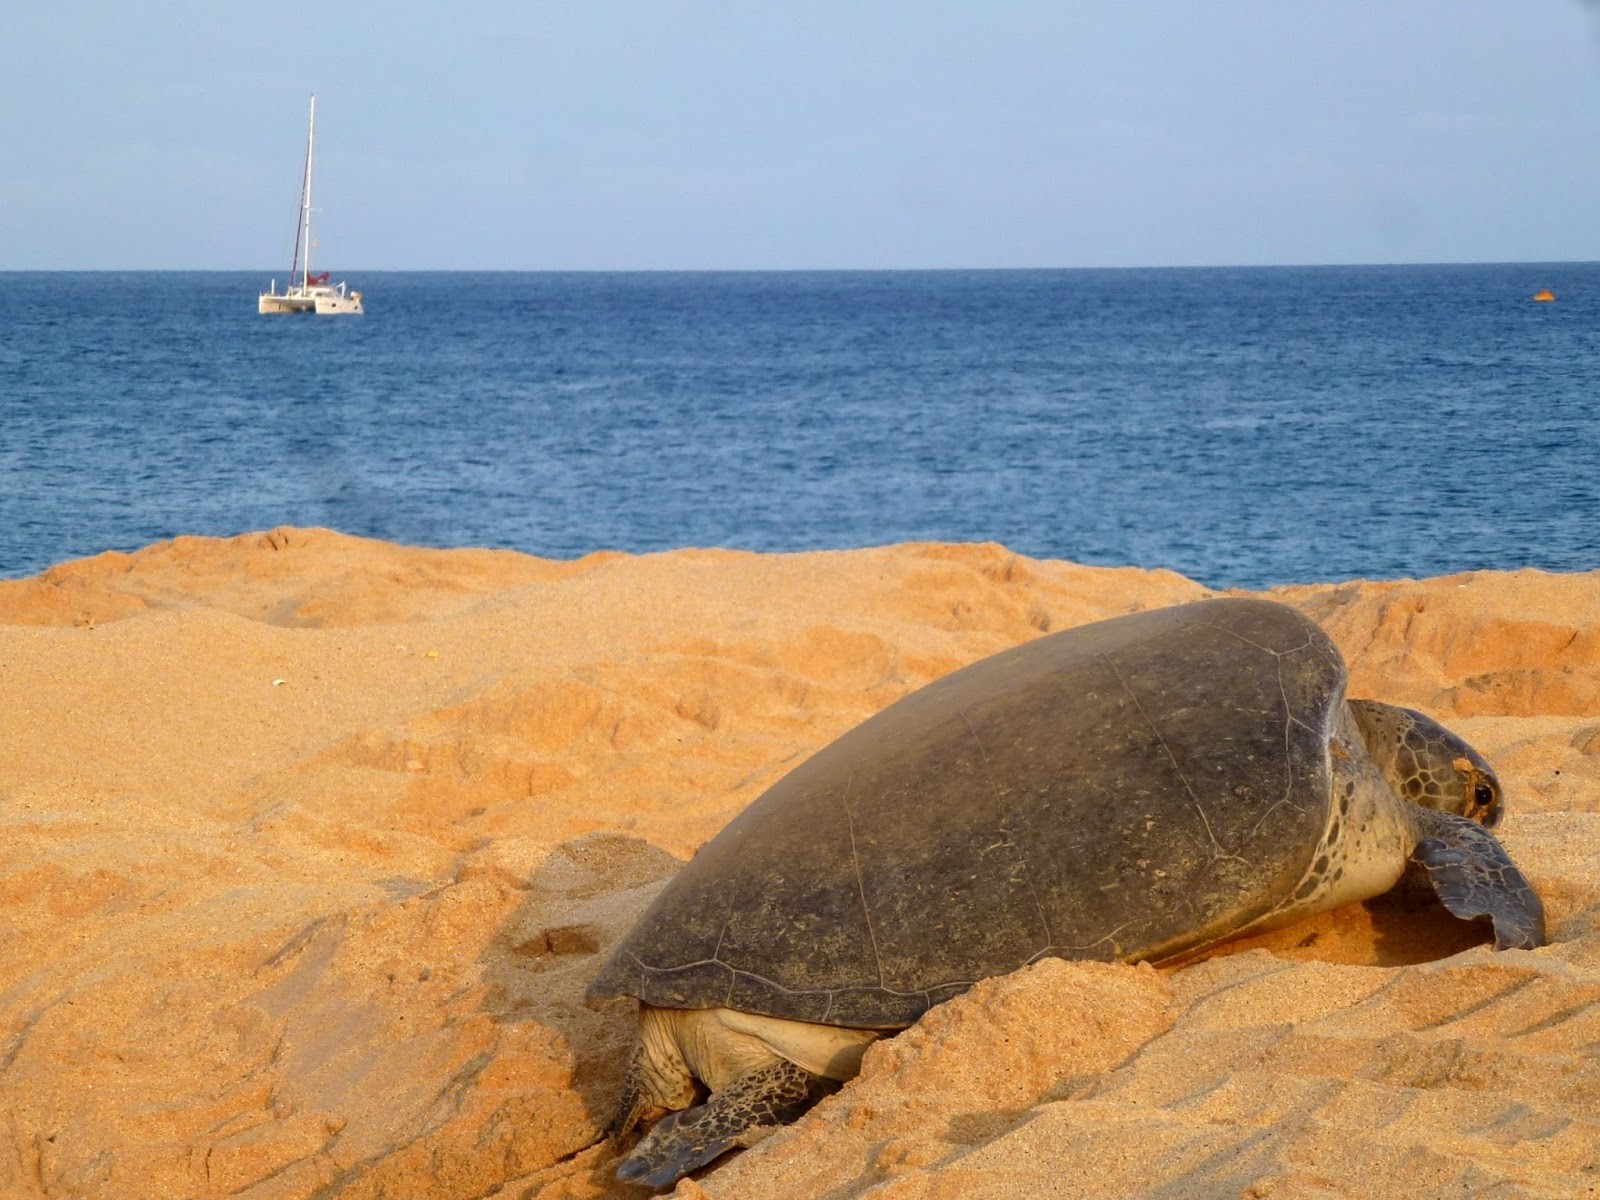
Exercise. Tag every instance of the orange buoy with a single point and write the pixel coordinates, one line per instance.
(1547, 294)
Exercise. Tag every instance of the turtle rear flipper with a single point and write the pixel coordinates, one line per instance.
(635, 1099)
(1475, 877)
(741, 1114)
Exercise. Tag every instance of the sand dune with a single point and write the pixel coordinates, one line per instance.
(310, 844)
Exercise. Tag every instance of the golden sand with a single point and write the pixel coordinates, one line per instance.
(309, 845)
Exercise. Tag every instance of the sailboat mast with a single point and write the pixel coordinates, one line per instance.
(300, 212)
(311, 148)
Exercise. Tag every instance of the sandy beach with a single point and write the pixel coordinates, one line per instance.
(310, 844)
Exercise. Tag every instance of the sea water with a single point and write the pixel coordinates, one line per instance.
(1242, 426)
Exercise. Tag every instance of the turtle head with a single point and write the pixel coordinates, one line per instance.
(1427, 764)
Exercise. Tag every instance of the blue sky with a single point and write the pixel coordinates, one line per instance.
(513, 134)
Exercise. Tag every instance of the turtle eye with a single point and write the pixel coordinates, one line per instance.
(1483, 796)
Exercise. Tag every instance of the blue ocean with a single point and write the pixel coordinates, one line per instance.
(1243, 426)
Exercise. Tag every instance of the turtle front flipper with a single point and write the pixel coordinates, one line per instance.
(741, 1114)
(1475, 877)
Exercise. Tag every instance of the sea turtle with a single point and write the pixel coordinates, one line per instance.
(1132, 789)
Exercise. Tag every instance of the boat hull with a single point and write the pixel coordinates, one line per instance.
(318, 299)
(269, 302)
(339, 306)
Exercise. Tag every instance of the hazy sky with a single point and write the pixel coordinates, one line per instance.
(820, 133)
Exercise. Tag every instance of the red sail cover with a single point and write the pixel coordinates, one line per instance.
(323, 278)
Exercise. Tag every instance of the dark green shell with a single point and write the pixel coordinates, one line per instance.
(1122, 790)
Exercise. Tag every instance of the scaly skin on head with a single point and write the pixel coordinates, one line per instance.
(1427, 764)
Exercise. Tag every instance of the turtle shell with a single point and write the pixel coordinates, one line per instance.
(1123, 790)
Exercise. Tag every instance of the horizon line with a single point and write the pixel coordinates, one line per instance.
(1243, 266)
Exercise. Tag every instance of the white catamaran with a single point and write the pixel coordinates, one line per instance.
(312, 293)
